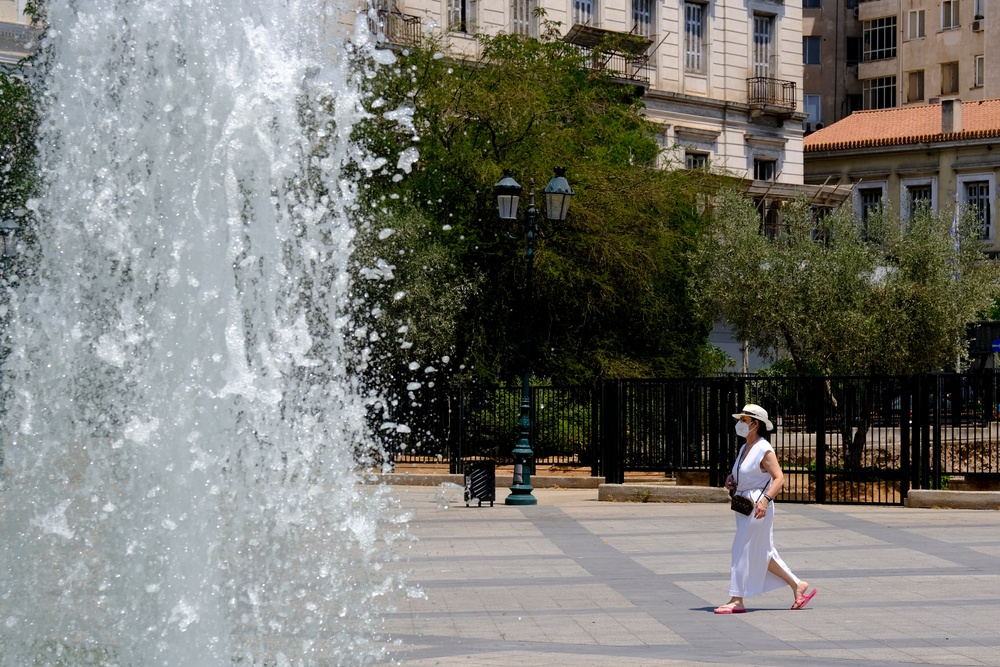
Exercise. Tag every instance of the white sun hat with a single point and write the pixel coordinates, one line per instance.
(756, 412)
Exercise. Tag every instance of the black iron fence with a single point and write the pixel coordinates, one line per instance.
(564, 425)
(839, 440)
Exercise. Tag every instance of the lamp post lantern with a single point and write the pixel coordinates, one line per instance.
(557, 196)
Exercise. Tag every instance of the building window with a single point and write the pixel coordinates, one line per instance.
(765, 169)
(978, 9)
(854, 102)
(980, 71)
(879, 38)
(853, 54)
(880, 93)
(642, 17)
(853, 47)
(871, 199)
(694, 37)
(868, 202)
(583, 12)
(915, 28)
(949, 15)
(770, 218)
(977, 196)
(916, 194)
(522, 17)
(812, 4)
(811, 50)
(949, 78)
(461, 15)
(763, 45)
(811, 105)
(693, 160)
(915, 86)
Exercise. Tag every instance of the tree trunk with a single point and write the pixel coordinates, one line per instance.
(854, 417)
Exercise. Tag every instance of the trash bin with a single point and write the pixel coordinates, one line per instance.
(480, 482)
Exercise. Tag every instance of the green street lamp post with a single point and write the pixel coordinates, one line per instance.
(557, 196)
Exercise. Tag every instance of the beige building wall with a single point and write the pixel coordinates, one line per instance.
(835, 79)
(12, 11)
(935, 40)
(929, 46)
(15, 32)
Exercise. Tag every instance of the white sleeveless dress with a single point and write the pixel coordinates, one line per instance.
(753, 545)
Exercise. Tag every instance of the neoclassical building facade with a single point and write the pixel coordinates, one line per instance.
(721, 78)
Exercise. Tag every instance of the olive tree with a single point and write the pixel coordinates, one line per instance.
(836, 295)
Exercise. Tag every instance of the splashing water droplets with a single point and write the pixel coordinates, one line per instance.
(182, 409)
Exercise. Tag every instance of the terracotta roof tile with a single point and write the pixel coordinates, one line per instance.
(909, 125)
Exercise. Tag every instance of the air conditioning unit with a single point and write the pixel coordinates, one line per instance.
(855, 12)
(977, 26)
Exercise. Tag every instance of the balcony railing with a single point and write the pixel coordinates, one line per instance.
(397, 28)
(623, 55)
(619, 65)
(763, 92)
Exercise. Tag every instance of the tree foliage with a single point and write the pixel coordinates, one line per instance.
(611, 285)
(840, 296)
(18, 124)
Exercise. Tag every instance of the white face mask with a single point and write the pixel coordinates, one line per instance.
(742, 429)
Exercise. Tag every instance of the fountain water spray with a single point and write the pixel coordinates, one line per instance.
(183, 410)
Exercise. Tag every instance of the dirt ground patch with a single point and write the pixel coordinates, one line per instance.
(542, 470)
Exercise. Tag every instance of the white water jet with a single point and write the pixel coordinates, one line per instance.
(182, 409)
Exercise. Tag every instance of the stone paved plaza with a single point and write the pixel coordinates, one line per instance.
(578, 582)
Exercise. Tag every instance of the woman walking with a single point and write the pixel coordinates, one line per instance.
(757, 567)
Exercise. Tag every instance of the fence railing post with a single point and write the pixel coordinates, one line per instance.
(714, 452)
(723, 394)
(457, 429)
(596, 410)
(905, 419)
(936, 410)
(819, 398)
(612, 452)
(923, 414)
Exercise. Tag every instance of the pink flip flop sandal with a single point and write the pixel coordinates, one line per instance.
(803, 600)
(729, 610)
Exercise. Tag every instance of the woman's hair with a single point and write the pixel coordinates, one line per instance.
(761, 426)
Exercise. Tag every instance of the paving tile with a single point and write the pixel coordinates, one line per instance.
(575, 581)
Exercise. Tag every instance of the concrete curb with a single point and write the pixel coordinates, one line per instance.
(956, 500)
(652, 493)
(659, 493)
(543, 482)
(419, 479)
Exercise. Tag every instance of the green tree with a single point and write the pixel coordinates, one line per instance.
(18, 123)
(839, 296)
(611, 286)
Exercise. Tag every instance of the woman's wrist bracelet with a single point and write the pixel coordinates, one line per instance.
(769, 498)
